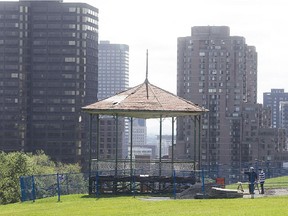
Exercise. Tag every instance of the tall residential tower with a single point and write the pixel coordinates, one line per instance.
(113, 78)
(273, 100)
(48, 71)
(219, 72)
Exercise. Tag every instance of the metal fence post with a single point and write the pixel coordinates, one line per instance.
(33, 189)
(97, 184)
(203, 183)
(134, 184)
(174, 184)
(58, 187)
(23, 190)
(67, 184)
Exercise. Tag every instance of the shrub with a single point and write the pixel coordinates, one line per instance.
(16, 164)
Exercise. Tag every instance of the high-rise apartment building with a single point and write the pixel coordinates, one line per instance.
(139, 132)
(139, 140)
(113, 78)
(261, 145)
(277, 102)
(283, 114)
(219, 72)
(113, 69)
(273, 99)
(48, 71)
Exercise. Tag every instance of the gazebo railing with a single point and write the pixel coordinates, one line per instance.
(142, 167)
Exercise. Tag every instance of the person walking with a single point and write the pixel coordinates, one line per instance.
(262, 180)
(252, 177)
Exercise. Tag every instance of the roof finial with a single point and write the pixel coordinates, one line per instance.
(146, 65)
(146, 80)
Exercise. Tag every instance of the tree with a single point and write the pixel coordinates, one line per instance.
(16, 164)
(40, 164)
(13, 165)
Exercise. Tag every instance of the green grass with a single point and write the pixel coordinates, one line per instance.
(125, 206)
(278, 182)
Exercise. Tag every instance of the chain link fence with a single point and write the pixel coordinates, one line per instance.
(41, 186)
(138, 177)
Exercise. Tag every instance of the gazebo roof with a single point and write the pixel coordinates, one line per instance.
(145, 101)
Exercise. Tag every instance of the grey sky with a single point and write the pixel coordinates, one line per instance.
(156, 24)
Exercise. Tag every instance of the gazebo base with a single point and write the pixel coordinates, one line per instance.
(139, 184)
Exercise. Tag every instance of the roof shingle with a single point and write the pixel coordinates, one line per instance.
(145, 101)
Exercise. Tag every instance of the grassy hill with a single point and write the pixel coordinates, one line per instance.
(278, 182)
(81, 204)
(142, 206)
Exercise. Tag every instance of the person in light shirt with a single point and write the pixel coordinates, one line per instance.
(262, 180)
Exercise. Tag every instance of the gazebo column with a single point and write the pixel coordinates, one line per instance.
(90, 144)
(160, 146)
(131, 145)
(194, 134)
(173, 122)
(97, 140)
(116, 156)
(90, 153)
(199, 142)
(131, 154)
(116, 142)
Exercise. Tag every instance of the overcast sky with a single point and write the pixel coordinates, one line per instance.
(156, 24)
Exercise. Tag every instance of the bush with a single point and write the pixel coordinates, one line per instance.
(16, 164)
(13, 165)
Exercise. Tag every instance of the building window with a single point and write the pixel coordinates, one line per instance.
(69, 59)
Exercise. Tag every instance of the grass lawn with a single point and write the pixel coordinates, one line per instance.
(278, 182)
(84, 205)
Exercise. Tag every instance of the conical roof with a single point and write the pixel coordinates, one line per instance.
(145, 101)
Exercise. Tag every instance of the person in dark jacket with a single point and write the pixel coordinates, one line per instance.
(262, 180)
(252, 178)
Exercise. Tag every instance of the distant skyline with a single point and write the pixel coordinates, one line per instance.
(156, 25)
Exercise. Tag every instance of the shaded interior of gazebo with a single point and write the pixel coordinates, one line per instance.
(144, 101)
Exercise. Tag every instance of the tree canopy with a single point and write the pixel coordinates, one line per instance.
(16, 164)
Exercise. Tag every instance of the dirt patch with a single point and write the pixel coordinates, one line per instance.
(155, 198)
(276, 192)
(195, 191)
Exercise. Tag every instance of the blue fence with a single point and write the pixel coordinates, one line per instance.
(100, 183)
(41, 186)
(104, 182)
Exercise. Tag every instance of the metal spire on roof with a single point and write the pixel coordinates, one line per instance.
(146, 80)
(146, 65)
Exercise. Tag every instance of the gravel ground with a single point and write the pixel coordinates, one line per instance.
(268, 192)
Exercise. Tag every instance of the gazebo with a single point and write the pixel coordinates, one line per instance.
(144, 101)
